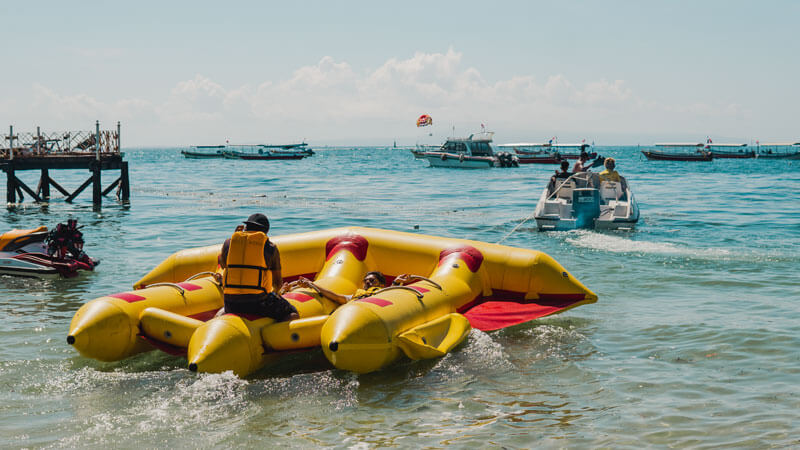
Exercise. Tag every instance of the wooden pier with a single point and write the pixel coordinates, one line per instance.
(96, 151)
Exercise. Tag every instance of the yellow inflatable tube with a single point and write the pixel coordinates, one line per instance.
(468, 283)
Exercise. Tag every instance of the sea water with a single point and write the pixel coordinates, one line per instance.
(694, 342)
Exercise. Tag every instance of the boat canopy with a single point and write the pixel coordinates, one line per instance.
(680, 144)
(525, 144)
(727, 145)
(581, 146)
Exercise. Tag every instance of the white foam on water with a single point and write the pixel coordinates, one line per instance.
(621, 244)
(554, 340)
(478, 354)
(328, 388)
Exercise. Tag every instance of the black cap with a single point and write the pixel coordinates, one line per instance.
(257, 222)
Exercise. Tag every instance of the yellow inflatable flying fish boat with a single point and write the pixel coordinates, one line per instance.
(458, 284)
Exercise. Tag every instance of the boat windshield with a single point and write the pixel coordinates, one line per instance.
(481, 148)
(454, 147)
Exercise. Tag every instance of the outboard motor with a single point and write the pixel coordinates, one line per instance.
(505, 159)
(586, 206)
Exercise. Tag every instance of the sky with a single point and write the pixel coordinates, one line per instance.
(179, 73)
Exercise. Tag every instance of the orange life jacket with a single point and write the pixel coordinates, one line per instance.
(247, 271)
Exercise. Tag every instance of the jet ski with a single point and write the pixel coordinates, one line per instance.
(39, 253)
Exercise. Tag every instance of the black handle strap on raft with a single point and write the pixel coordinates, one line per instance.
(173, 285)
(410, 289)
(200, 274)
(420, 277)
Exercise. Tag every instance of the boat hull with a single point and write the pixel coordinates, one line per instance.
(658, 156)
(263, 157)
(726, 155)
(778, 155)
(19, 268)
(454, 161)
(201, 155)
(523, 159)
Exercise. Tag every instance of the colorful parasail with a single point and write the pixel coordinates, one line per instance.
(424, 120)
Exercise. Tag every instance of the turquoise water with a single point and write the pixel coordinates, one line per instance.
(693, 342)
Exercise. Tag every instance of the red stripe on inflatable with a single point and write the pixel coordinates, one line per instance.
(204, 316)
(299, 296)
(355, 244)
(163, 346)
(128, 297)
(376, 301)
(250, 317)
(189, 286)
(471, 256)
(419, 289)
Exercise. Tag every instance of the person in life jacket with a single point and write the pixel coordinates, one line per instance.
(251, 275)
(373, 282)
(66, 242)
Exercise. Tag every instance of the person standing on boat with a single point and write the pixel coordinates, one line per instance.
(580, 164)
(373, 282)
(251, 275)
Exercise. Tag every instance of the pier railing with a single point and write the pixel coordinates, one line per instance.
(67, 143)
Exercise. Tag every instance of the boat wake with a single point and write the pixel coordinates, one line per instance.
(624, 245)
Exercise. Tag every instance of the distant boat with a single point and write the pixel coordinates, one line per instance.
(779, 151)
(260, 152)
(678, 152)
(573, 151)
(533, 153)
(204, 152)
(301, 148)
(737, 151)
(554, 158)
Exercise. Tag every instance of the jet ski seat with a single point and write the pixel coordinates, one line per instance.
(15, 239)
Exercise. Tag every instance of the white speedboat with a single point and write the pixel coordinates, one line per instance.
(583, 201)
(473, 152)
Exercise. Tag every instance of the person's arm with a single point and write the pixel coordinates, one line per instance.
(327, 293)
(222, 260)
(404, 279)
(275, 264)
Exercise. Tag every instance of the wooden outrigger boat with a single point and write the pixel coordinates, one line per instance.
(678, 152)
(730, 151)
(204, 152)
(779, 151)
(533, 153)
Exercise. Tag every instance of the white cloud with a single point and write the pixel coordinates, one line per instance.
(78, 106)
(331, 101)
